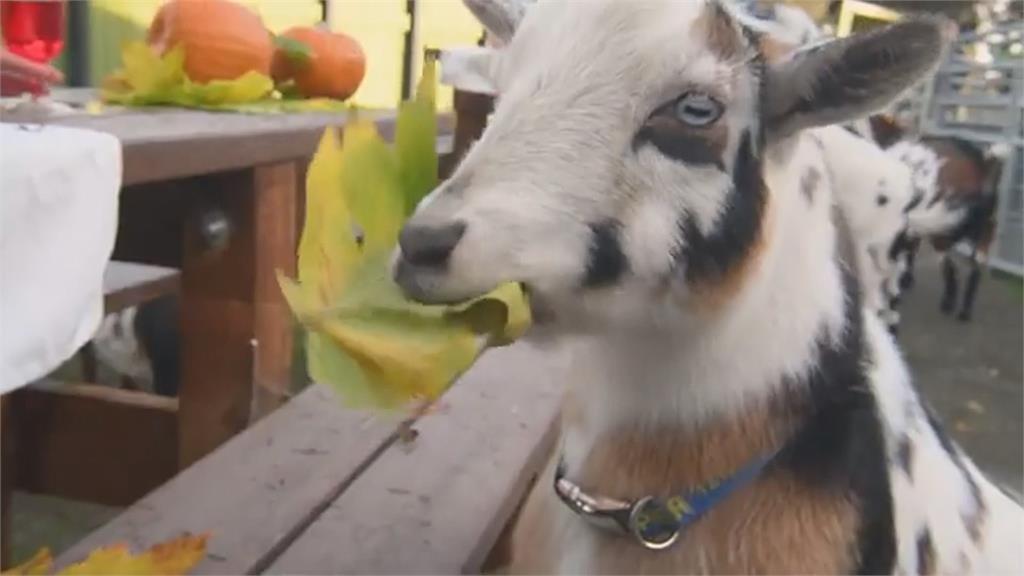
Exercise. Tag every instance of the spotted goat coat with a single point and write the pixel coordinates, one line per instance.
(647, 175)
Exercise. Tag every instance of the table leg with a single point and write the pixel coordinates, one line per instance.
(236, 327)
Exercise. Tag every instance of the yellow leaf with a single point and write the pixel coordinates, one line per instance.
(327, 249)
(41, 563)
(370, 184)
(249, 87)
(362, 336)
(147, 78)
(173, 557)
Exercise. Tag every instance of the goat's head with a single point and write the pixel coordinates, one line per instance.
(623, 160)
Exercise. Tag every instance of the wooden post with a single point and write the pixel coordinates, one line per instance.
(8, 461)
(471, 112)
(236, 327)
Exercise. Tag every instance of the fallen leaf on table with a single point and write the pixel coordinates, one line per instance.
(171, 558)
(375, 347)
(149, 79)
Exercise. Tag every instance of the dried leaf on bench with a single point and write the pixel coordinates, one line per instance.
(171, 558)
(40, 563)
(363, 337)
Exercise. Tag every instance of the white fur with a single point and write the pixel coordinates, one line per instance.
(862, 173)
(118, 348)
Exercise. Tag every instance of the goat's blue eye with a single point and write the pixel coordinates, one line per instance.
(696, 109)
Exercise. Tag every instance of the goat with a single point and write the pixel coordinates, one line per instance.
(643, 176)
(956, 191)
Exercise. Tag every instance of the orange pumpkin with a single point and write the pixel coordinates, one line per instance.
(326, 64)
(222, 40)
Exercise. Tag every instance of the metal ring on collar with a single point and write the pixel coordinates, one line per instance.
(643, 512)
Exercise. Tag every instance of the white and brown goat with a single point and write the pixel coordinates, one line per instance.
(646, 176)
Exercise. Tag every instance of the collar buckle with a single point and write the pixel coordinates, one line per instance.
(646, 519)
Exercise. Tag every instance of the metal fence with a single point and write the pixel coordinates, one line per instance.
(983, 102)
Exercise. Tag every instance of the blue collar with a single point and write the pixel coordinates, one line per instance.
(654, 522)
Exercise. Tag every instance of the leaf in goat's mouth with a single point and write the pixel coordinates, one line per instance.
(363, 337)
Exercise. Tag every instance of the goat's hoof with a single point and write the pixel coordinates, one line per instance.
(964, 316)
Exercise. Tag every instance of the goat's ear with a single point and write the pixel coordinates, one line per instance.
(499, 17)
(849, 78)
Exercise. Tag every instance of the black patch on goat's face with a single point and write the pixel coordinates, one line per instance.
(882, 199)
(709, 257)
(840, 447)
(925, 553)
(682, 143)
(606, 262)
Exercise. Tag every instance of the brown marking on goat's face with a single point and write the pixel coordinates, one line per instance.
(699, 146)
(712, 296)
(773, 50)
(776, 525)
(720, 32)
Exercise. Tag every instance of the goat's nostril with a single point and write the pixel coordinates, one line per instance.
(430, 245)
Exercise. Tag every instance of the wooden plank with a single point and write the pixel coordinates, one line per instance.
(276, 217)
(438, 506)
(127, 284)
(236, 327)
(94, 443)
(257, 490)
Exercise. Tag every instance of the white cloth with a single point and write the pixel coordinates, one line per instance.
(59, 191)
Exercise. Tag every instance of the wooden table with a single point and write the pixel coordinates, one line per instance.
(183, 169)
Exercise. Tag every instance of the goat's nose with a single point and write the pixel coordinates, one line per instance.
(430, 245)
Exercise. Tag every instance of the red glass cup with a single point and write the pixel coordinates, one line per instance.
(32, 29)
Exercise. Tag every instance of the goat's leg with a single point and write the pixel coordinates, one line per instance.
(971, 290)
(907, 276)
(949, 287)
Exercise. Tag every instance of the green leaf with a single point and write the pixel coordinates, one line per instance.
(416, 139)
(296, 51)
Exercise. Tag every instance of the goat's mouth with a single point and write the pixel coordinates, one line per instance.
(433, 285)
(426, 285)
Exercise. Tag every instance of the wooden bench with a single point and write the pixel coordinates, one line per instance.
(89, 442)
(315, 488)
(127, 284)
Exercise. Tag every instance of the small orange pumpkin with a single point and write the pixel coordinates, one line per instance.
(322, 63)
(222, 40)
